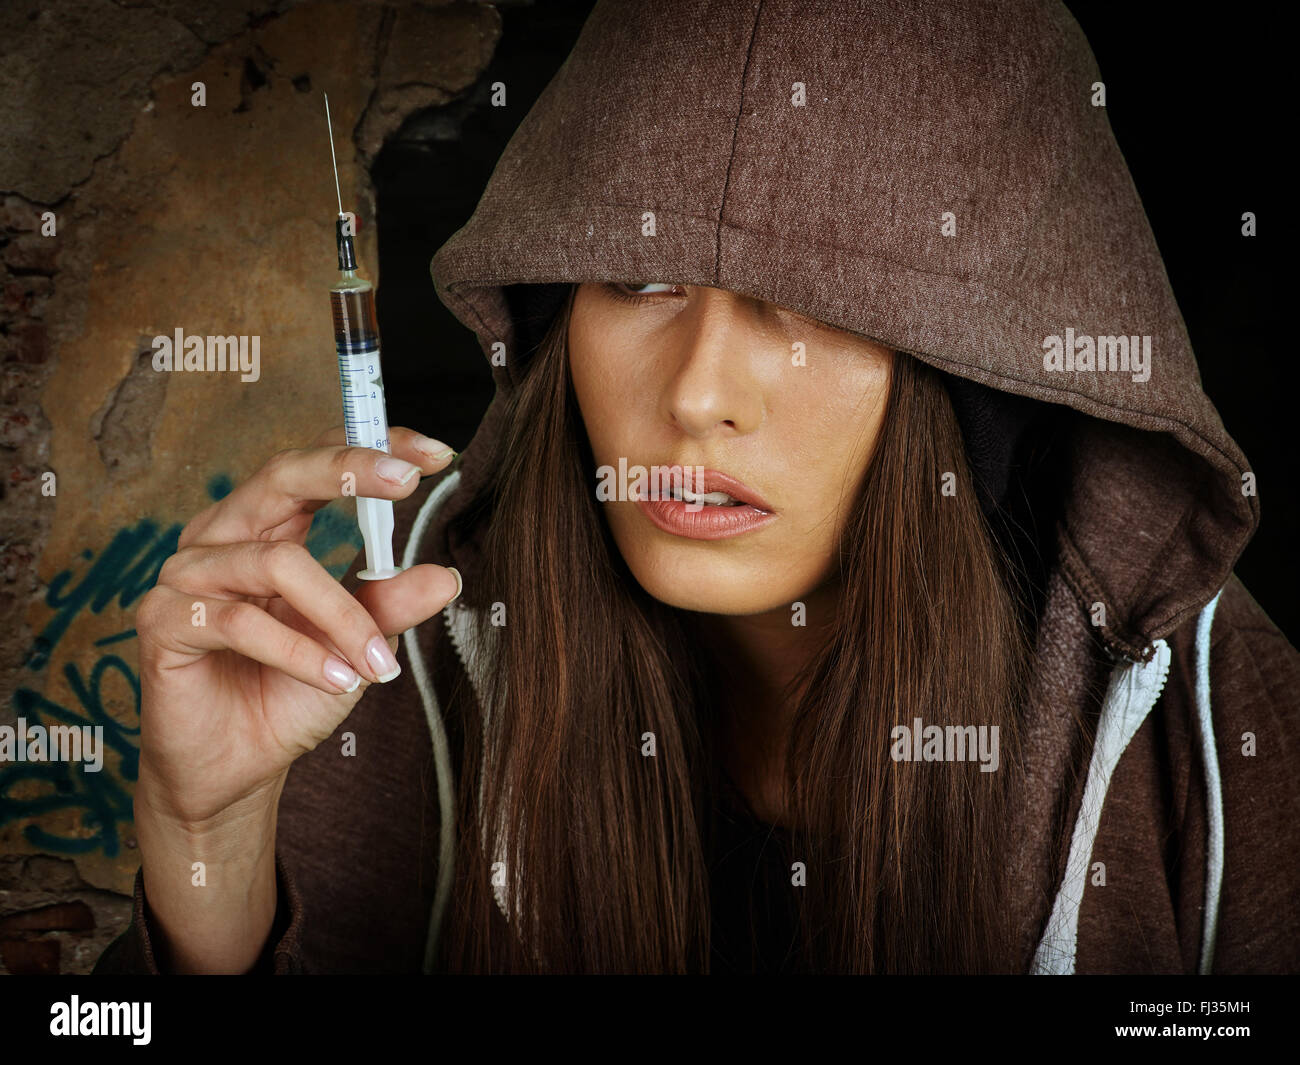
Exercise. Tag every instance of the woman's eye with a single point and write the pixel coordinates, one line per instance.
(637, 291)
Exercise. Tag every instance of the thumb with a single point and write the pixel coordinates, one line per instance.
(411, 597)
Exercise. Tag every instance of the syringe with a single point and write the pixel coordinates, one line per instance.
(365, 418)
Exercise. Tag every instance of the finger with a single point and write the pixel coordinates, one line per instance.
(267, 569)
(397, 605)
(195, 625)
(290, 480)
(402, 442)
(408, 599)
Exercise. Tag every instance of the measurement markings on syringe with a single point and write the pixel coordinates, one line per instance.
(363, 401)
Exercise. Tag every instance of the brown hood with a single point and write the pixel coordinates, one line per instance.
(837, 209)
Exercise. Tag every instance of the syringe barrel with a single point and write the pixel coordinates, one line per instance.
(356, 338)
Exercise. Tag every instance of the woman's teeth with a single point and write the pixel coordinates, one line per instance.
(711, 499)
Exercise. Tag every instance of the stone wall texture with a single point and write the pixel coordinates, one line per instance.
(128, 211)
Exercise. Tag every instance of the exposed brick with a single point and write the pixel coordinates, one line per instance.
(15, 559)
(19, 215)
(13, 867)
(26, 295)
(14, 429)
(31, 251)
(34, 957)
(72, 916)
(29, 344)
(43, 871)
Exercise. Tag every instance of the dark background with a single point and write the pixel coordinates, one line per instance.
(1195, 104)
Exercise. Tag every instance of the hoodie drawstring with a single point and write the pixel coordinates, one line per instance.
(1213, 787)
(438, 734)
(1132, 693)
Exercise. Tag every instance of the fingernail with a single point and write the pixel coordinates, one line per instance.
(396, 470)
(460, 585)
(435, 449)
(341, 675)
(381, 660)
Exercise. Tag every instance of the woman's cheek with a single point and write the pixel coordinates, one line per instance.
(804, 556)
(599, 410)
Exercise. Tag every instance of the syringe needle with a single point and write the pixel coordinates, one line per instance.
(330, 126)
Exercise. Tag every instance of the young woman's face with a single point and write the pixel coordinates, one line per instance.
(688, 376)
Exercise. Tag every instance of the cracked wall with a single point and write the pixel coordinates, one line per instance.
(217, 220)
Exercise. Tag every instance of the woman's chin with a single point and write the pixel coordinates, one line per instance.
(707, 585)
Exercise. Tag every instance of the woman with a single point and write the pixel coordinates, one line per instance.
(911, 672)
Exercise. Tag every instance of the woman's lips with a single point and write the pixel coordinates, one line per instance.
(707, 522)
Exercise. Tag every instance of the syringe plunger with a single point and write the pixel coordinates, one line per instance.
(375, 516)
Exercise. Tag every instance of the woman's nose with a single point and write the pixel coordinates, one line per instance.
(714, 387)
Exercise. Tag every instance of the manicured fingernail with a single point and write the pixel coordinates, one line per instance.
(341, 675)
(460, 585)
(381, 660)
(395, 470)
(435, 449)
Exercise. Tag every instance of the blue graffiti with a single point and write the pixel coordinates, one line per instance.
(123, 572)
(103, 801)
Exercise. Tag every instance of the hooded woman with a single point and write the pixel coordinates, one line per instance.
(846, 560)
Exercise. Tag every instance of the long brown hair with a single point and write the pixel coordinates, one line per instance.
(603, 849)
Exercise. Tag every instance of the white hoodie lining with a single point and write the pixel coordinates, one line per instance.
(1213, 788)
(1133, 691)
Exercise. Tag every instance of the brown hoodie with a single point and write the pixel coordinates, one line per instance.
(933, 176)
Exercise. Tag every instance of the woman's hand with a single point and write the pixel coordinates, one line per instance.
(251, 654)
